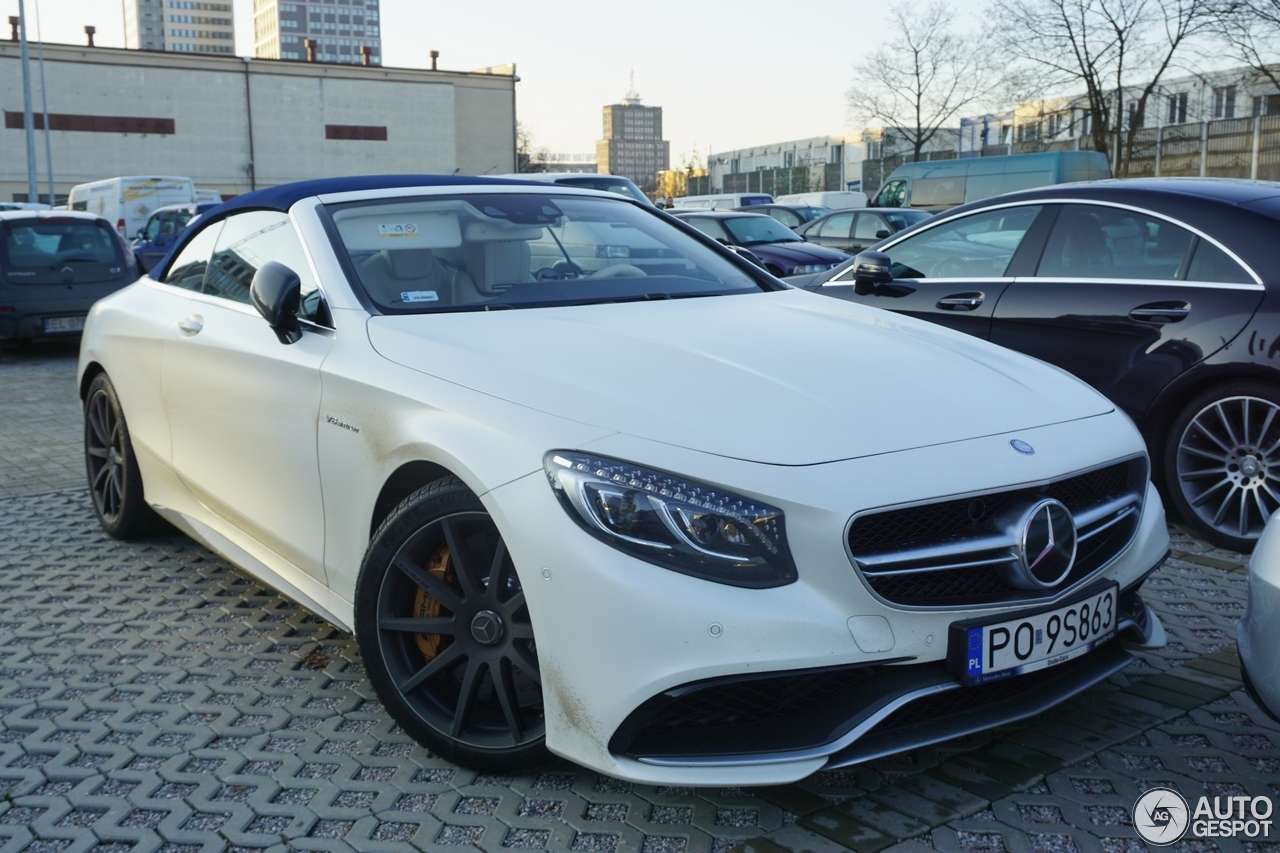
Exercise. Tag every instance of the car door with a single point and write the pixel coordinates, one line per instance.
(953, 273)
(243, 407)
(834, 231)
(1126, 300)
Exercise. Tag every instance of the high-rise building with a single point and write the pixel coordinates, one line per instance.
(183, 26)
(340, 29)
(633, 146)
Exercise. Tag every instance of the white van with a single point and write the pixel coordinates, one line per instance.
(722, 201)
(833, 200)
(128, 202)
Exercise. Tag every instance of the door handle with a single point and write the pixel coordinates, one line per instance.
(191, 325)
(962, 301)
(1161, 312)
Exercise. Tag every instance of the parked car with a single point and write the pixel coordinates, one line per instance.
(722, 201)
(53, 266)
(838, 200)
(790, 215)
(937, 185)
(781, 249)
(1161, 293)
(208, 196)
(128, 202)
(1258, 635)
(154, 241)
(588, 180)
(576, 514)
(853, 231)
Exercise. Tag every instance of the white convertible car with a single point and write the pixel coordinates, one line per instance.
(583, 481)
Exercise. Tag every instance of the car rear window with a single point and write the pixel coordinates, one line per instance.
(59, 251)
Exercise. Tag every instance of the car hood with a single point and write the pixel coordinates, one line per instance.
(788, 377)
(798, 252)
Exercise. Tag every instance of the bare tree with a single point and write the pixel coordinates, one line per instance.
(1099, 45)
(528, 152)
(1251, 29)
(923, 79)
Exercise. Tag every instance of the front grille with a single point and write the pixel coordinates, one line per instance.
(960, 552)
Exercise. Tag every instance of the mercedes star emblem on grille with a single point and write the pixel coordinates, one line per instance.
(1047, 544)
(1022, 447)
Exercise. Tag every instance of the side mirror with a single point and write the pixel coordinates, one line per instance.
(871, 268)
(276, 292)
(881, 234)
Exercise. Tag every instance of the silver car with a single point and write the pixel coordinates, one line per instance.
(1259, 631)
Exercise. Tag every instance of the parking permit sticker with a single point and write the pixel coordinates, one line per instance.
(419, 296)
(398, 229)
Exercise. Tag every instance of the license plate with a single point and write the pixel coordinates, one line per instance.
(1035, 641)
(64, 324)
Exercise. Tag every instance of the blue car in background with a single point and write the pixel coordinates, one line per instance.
(157, 237)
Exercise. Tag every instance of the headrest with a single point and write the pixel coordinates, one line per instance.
(409, 263)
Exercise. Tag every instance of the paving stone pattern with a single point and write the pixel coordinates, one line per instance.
(40, 423)
(155, 698)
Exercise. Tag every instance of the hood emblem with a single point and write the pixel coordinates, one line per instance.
(1046, 545)
(1022, 447)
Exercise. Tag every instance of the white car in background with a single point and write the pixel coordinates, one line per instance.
(630, 514)
(1258, 635)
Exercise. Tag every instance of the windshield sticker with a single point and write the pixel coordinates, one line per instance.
(398, 229)
(419, 296)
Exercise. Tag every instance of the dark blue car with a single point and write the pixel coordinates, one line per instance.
(781, 250)
(155, 240)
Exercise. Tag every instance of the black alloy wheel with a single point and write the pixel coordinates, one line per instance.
(1222, 462)
(446, 635)
(115, 483)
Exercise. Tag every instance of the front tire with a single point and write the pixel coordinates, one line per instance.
(1222, 462)
(115, 481)
(445, 633)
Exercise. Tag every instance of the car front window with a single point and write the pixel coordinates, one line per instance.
(746, 230)
(485, 251)
(980, 245)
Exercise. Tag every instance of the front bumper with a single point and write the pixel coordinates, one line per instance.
(614, 632)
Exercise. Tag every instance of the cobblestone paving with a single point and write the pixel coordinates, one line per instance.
(154, 698)
(40, 433)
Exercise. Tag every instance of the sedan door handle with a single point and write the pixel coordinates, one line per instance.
(1161, 312)
(191, 325)
(962, 301)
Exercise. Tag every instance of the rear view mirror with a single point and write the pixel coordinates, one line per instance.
(276, 292)
(871, 268)
(881, 234)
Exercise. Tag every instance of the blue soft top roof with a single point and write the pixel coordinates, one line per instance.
(284, 196)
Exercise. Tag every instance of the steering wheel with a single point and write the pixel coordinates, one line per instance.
(618, 271)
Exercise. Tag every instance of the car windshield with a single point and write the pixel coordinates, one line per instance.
(900, 219)
(47, 250)
(621, 186)
(482, 252)
(750, 229)
(808, 214)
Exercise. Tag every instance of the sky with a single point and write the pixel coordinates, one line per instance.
(727, 74)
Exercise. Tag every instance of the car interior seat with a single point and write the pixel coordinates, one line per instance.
(389, 273)
(493, 266)
(1085, 244)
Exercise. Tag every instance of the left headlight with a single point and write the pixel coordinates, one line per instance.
(678, 524)
(808, 268)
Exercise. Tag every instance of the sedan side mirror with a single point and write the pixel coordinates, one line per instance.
(276, 291)
(881, 234)
(871, 268)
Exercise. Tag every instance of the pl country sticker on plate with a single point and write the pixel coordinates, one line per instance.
(398, 229)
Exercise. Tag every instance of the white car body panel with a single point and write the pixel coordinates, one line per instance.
(1258, 634)
(278, 456)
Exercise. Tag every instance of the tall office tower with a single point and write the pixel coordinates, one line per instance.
(633, 146)
(184, 26)
(340, 28)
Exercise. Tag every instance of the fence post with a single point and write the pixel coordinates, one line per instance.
(1159, 145)
(1204, 146)
(1257, 139)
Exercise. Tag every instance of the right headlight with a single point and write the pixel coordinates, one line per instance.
(688, 527)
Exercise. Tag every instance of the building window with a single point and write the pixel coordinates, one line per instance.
(1177, 108)
(1136, 119)
(1224, 102)
(1266, 105)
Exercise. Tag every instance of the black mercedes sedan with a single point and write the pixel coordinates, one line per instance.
(1162, 293)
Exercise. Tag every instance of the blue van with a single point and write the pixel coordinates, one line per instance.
(156, 238)
(937, 185)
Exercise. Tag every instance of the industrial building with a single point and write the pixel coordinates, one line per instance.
(233, 124)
